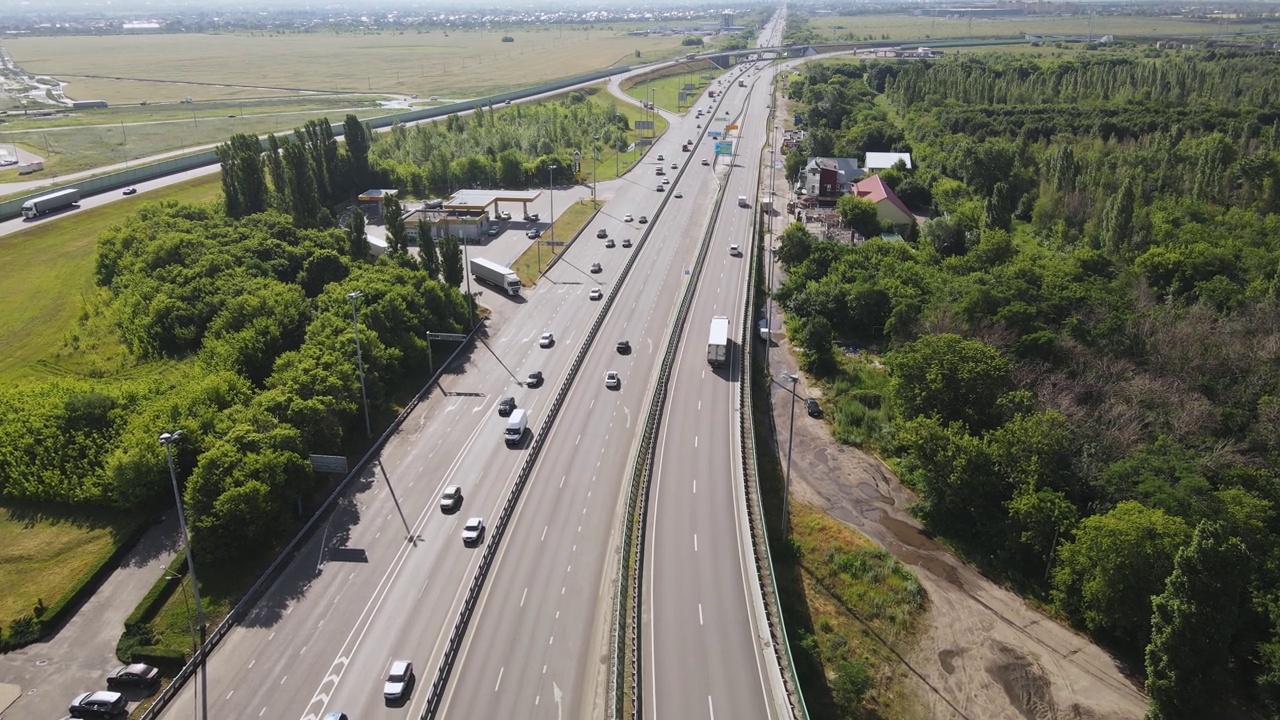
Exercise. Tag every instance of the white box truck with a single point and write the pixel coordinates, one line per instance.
(31, 167)
(718, 342)
(46, 204)
(516, 423)
(495, 274)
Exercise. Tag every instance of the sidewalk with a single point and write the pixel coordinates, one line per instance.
(40, 679)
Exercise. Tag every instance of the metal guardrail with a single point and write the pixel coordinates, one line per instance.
(286, 555)
(151, 171)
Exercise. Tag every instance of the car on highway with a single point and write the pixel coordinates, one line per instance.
(660, 158)
(644, 219)
(626, 242)
(135, 675)
(596, 294)
(547, 340)
(492, 231)
(399, 680)
(531, 217)
(473, 531)
(506, 404)
(706, 161)
(504, 216)
(608, 243)
(624, 347)
(611, 380)
(813, 408)
(100, 704)
(335, 716)
(602, 233)
(627, 218)
(678, 195)
(130, 191)
(662, 188)
(533, 233)
(595, 268)
(675, 166)
(666, 181)
(451, 499)
(735, 251)
(534, 380)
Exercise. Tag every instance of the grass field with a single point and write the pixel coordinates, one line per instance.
(903, 27)
(666, 90)
(47, 551)
(612, 163)
(448, 64)
(50, 324)
(540, 251)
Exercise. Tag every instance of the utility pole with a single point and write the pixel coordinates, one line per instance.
(355, 323)
(167, 440)
(552, 196)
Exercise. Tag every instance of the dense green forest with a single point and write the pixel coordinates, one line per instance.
(255, 304)
(510, 148)
(1082, 347)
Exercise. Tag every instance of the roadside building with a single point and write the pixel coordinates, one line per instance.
(888, 205)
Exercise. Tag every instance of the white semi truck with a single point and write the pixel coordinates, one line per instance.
(495, 274)
(718, 342)
(46, 204)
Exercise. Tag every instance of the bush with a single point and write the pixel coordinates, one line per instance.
(169, 661)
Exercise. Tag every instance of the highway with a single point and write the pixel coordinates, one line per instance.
(704, 653)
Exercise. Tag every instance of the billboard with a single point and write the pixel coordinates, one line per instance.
(713, 133)
(724, 147)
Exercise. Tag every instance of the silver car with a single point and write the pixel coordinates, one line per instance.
(399, 678)
(473, 531)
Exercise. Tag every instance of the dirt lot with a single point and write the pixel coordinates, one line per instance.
(987, 654)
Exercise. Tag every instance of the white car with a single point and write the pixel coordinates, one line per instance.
(675, 166)
(627, 218)
(398, 680)
(706, 161)
(547, 340)
(734, 250)
(473, 531)
(666, 181)
(611, 380)
(596, 294)
(451, 499)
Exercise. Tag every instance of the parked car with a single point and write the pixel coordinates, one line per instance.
(135, 675)
(534, 380)
(451, 499)
(473, 531)
(100, 704)
(399, 680)
(813, 408)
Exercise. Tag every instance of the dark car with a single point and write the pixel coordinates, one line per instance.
(535, 379)
(506, 404)
(100, 704)
(812, 406)
(130, 190)
(602, 233)
(624, 347)
(644, 219)
(531, 217)
(135, 675)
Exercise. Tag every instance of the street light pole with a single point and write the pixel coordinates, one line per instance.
(355, 325)
(552, 196)
(167, 440)
(791, 433)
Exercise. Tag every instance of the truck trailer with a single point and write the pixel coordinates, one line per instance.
(718, 342)
(34, 166)
(495, 274)
(46, 204)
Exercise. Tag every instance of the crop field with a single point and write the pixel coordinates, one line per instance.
(51, 324)
(905, 27)
(129, 69)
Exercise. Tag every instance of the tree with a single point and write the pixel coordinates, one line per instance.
(945, 235)
(275, 170)
(859, 214)
(393, 214)
(1117, 219)
(353, 132)
(1107, 575)
(951, 378)
(451, 261)
(1192, 623)
(303, 195)
(794, 245)
(244, 185)
(427, 249)
(357, 240)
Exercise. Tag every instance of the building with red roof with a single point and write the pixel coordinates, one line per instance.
(888, 205)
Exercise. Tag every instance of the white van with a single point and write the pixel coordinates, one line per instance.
(515, 427)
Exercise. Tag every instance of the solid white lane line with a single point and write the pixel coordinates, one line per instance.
(700, 614)
(695, 542)
(695, 441)
(262, 711)
(522, 596)
(695, 486)
(286, 677)
(544, 533)
(699, 404)
(544, 669)
(497, 684)
(711, 708)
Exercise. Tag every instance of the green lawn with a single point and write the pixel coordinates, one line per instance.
(46, 551)
(666, 90)
(565, 227)
(899, 26)
(52, 321)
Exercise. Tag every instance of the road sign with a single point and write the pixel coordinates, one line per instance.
(724, 147)
(336, 464)
(727, 128)
(714, 133)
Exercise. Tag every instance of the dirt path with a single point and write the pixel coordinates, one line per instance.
(986, 653)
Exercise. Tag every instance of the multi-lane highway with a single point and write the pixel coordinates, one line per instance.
(704, 651)
(360, 596)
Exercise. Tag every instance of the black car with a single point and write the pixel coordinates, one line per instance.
(812, 406)
(505, 405)
(602, 233)
(624, 347)
(101, 704)
(135, 675)
(535, 379)
(130, 190)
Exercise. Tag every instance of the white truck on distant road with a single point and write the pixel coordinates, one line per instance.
(31, 167)
(495, 274)
(46, 204)
(516, 423)
(718, 342)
